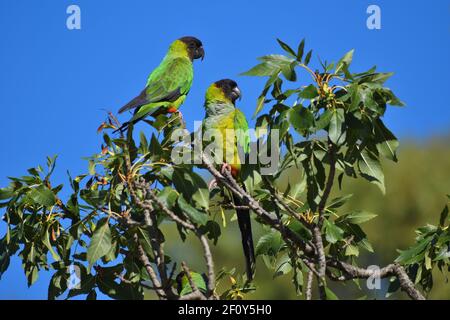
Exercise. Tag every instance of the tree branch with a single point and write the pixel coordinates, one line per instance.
(206, 249)
(317, 233)
(321, 261)
(309, 285)
(195, 291)
(162, 294)
(394, 269)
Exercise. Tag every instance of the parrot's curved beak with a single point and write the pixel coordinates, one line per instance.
(199, 53)
(236, 93)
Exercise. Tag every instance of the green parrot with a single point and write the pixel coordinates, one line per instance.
(168, 85)
(222, 115)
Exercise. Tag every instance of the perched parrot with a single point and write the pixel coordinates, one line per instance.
(222, 115)
(168, 85)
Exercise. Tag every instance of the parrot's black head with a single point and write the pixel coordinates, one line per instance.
(194, 46)
(229, 88)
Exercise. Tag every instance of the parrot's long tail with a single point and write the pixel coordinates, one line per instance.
(125, 125)
(243, 217)
(122, 128)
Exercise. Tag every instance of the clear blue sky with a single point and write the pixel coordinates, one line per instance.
(55, 82)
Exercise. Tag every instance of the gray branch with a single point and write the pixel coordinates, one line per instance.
(394, 269)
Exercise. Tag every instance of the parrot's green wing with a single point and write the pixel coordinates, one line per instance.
(170, 81)
(241, 129)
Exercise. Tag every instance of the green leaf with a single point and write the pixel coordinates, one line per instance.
(194, 215)
(415, 253)
(32, 275)
(197, 279)
(168, 196)
(335, 129)
(100, 241)
(91, 167)
(46, 241)
(262, 98)
(286, 48)
(330, 294)
(251, 177)
(212, 229)
(6, 193)
(283, 266)
(201, 194)
(324, 120)
(269, 244)
(95, 198)
(144, 142)
(4, 257)
(262, 70)
(376, 77)
(43, 196)
(301, 119)
(345, 61)
(370, 168)
(277, 59)
(58, 284)
(259, 104)
(310, 92)
(92, 295)
(339, 201)
(351, 250)
(296, 189)
(155, 147)
(443, 217)
(192, 186)
(289, 72)
(355, 96)
(300, 50)
(357, 216)
(144, 240)
(308, 57)
(385, 140)
(51, 163)
(332, 232)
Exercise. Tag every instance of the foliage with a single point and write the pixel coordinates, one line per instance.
(110, 228)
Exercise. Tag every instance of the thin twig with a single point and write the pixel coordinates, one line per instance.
(309, 285)
(191, 282)
(321, 261)
(317, 233)
(152, 274)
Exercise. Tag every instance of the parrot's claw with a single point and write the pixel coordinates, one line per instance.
(180, 115)
(225, 168)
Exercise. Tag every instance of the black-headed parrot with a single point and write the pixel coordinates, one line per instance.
(223, 116)
(168, 84)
